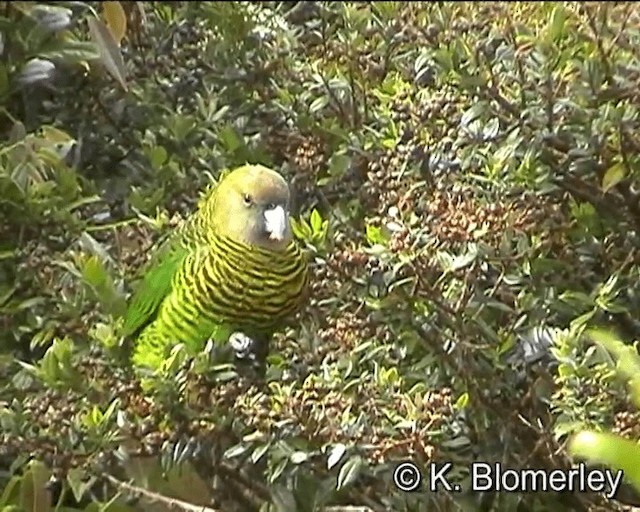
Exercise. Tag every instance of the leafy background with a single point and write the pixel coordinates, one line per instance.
(466, 177)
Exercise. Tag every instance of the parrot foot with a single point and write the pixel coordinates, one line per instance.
(242, 345)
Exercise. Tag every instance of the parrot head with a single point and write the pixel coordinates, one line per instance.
(251, 205)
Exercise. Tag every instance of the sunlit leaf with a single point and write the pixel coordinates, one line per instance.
(628, 360)
(613, 451)
(316, 221)
(337, 452)
(557, 21)
(614, 175)
(349, 472)
(116, 19)
(299, 457)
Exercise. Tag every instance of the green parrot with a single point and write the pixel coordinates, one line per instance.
(231, 272)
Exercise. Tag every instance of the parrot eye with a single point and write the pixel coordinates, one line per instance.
(271, 206)
(247, 199)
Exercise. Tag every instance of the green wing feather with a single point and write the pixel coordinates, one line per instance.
(152, 343)
(156, 283)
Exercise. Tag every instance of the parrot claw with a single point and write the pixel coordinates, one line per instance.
(242, 345)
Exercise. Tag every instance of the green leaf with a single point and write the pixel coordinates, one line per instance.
(443, 57)
(71, 52)
(318, 104)
(158, 156)
(110, 54)
(338, 164)
(282, 465)
(390, 142)
(301, 229)
(609, 449)
(462, 401)
(577, 299)
(34, 493)
(557, 21)
(181, 126)
(316, 221)
(627, 356)
(93, 272)
(474, 113)
(79, 483)
(375, 235)
(349, 472)
(387, 10)
(56, 366)
(259, 452)
(230, 138)
(582, 320)
(614, 175)
(235, 451)
(607, 288)
(11, 490)
(108, 414)
(464, 260)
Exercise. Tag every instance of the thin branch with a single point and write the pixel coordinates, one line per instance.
(170, 503)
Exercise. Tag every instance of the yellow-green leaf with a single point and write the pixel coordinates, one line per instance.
(557, 20)
(11, 490)
(614, 175)
(462, 401)
(116, 19)
(53, 134)
(34, 493)
(316, 221)
(628, 360)
(609, 449)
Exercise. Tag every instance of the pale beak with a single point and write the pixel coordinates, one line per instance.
(276, 223)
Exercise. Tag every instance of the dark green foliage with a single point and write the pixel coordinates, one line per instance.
(474, 174)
